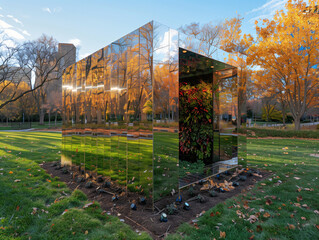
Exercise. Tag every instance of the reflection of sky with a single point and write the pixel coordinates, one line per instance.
(166, 45)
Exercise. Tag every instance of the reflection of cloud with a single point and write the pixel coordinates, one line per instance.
(267, 10)
(75, 41)
(15, 19)
(167, 46)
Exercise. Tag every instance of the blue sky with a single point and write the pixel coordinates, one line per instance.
(91, 25)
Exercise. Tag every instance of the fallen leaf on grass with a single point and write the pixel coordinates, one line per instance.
(222, 234)
(17, 180)
(316, 211)
(263, 184)
(18, 207)
(292, 216)
(303, 218)
(291, 226)
(317, 226)
(259, 228)
(266, 215)
(86, 232)
(299, 198)
(252, 237)
(268, 202)
(252, 218)
(297, 178)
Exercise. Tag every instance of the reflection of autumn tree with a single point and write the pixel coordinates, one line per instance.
(228, 99)
(166, 91)
(287, 47)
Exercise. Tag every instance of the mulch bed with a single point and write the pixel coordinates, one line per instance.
(144, 218)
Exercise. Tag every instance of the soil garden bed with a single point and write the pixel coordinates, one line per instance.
(144, 218)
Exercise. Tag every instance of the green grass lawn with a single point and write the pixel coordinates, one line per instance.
(284, 211)
(32, 203)
(34, 206)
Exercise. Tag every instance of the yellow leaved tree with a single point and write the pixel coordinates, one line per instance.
(287, 49)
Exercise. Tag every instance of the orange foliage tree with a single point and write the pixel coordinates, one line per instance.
(287, 48)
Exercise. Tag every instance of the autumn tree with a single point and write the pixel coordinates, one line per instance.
(287, 47)
(13, 110)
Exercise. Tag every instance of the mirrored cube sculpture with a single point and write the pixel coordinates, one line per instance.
(151, 113)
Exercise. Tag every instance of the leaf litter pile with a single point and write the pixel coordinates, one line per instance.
(200, 196)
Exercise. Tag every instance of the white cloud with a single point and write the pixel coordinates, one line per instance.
(267, 5)
(15, 19)
(75, 41)
(13, 34)
(47, 10)
(267, 10)
(10, 31)
(4, 25)
(51, 10)
(25, 32)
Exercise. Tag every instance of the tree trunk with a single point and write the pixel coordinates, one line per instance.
(297, 124)
(284, 116)
(41, 122)
(49, 118)
(55, 118)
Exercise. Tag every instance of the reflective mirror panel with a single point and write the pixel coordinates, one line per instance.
(151, 114)
(207, 94)
(165, 111)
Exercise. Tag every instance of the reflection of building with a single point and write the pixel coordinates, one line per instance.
(129, 109)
